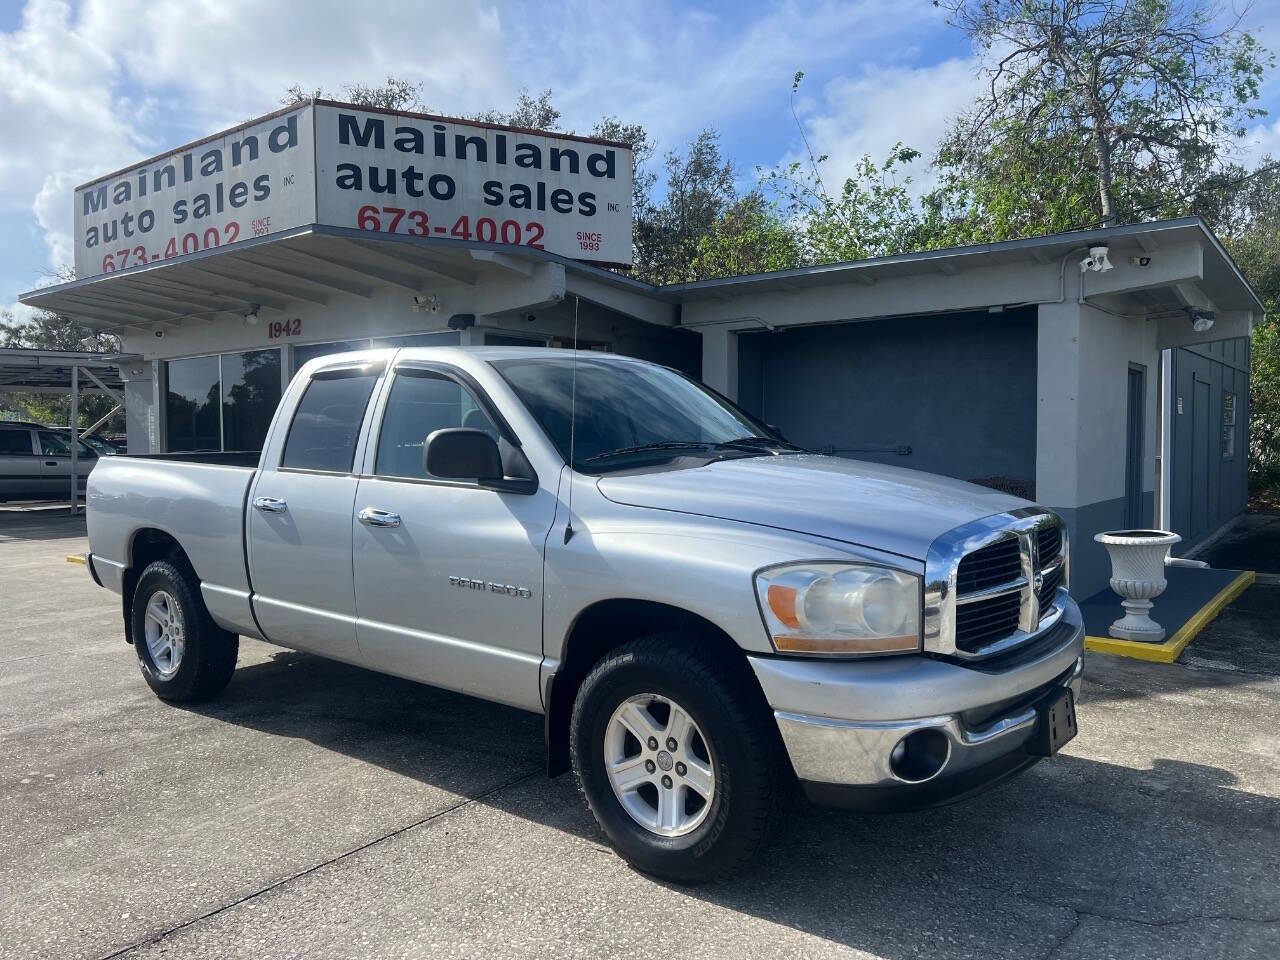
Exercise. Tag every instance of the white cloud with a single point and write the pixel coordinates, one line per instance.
(94, 87)
(1261, 141)
(870, 112)
(61, 119)
(677, 69)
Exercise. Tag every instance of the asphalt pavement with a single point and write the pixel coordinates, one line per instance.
(318, 810)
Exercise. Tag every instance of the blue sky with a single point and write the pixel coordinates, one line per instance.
(87, 87)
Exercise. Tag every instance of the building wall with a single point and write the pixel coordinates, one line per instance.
(951, 394)
(1082, 439)
(1209, 463)
(527, 309)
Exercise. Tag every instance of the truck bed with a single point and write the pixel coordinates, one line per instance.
(198, 499)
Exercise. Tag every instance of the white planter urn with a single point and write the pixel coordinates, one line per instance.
(1137, 574)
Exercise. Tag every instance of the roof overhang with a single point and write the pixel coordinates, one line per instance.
(314, 263)
(1221, 279)
(310, 264)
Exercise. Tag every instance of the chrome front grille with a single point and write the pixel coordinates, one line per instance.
(990, 566)
(994, 584)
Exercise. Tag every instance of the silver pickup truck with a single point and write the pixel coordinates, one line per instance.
(703, 612)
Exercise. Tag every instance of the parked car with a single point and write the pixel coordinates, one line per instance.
(35, 461)
(703, 612)
(100, 445)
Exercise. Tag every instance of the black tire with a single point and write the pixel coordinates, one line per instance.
(209, 653)
(752, 776)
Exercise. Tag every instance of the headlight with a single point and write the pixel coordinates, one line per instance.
(840, 608)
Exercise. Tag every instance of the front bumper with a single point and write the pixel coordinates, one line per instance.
(840, 720)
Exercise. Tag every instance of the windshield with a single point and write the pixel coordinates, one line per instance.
(104, 447)
(629, 414)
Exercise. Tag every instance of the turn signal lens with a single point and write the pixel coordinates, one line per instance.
(840, 609)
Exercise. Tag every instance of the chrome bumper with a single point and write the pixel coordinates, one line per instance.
(850, 742)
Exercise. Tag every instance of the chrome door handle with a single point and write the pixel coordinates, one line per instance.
(378, 518)
(270, 505)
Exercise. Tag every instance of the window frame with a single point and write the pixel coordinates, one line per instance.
(32, 443)
(445, 371)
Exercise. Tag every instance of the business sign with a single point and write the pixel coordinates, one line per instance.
(369, 170)
(427, 176)
(252, 181)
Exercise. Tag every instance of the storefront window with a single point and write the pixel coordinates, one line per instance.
(221, 403)
(309, 351)
(191, 404)
(250, 393)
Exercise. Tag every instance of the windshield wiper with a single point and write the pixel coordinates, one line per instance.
(659, 445)
(758, 443)
(748, 444)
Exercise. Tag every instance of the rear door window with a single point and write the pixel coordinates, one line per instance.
(326, 425)
(15, 442)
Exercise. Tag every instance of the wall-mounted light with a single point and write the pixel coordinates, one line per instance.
(429, 303)
(1201, 320)
(252, 316)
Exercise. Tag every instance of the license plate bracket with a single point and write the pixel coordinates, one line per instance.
(1055, 723)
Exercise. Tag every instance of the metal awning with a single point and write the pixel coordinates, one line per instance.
(310, 264)
(24, 370)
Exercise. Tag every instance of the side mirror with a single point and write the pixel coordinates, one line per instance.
(459, 453)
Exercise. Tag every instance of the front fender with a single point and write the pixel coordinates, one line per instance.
(699, 564)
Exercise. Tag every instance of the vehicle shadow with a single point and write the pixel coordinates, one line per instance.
(1009, 873)
(39, 522)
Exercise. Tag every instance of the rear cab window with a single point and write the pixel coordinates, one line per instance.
(326, 425)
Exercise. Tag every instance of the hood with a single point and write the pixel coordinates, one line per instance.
(870, 504)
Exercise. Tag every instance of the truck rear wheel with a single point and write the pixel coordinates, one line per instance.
(183, 654)
(678, 758)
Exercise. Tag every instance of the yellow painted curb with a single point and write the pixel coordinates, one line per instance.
(75, 558)
(1171, 649)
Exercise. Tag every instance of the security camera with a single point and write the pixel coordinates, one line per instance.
(1096, 260)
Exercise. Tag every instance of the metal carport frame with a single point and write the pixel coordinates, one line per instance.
(24, 370)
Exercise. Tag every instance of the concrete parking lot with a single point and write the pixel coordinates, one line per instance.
(318, 810)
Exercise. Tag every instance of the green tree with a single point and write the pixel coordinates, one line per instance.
(874, 213)
(394, 93)
(747, 237)
(1128, 100)
(700, 186)
(1245, 210)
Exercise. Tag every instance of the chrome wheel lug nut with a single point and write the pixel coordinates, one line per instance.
(671, 743)
(666, 781)
(681, 769)
(649, 766)
(653, 743)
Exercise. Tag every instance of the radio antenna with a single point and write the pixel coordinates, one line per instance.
(573, 422)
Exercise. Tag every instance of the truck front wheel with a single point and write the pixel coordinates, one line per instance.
(182, 653)
(678, 758)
